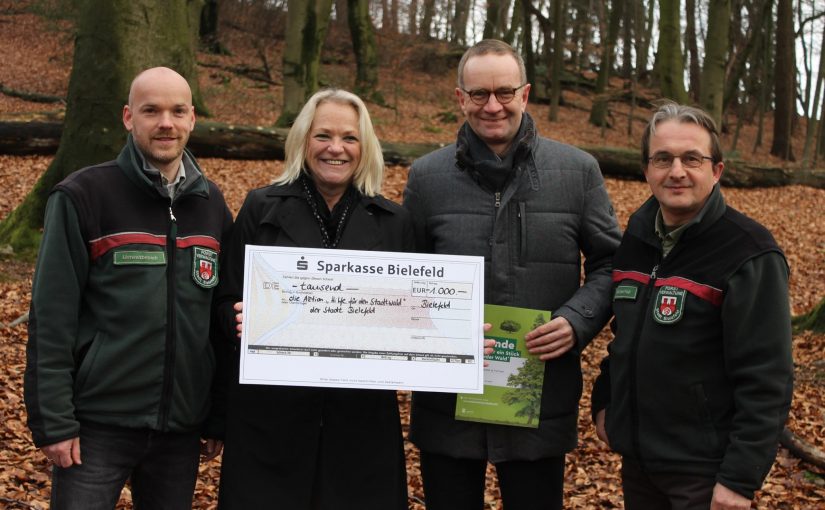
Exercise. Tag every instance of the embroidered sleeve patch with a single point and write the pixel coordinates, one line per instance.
(626, 292)
(139, 258)
(205, 267)
(669, 305)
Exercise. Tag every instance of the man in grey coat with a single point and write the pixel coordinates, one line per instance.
(531, 207)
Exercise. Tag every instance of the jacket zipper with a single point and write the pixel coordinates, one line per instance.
(634, 398)
(169, 360)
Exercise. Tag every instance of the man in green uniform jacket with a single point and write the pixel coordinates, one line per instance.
(698, 381)
(119, 358)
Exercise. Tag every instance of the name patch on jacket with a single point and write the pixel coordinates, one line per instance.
(139, 258)
(669, 305)
(205, 267)
(626, 292)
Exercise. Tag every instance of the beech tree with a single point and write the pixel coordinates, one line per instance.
(712, 88)
(669, 66)
(115, 40)
(306, 29)
(784, 80)
(598, 112)
(496, 21)
(458, 33)
(363, 42)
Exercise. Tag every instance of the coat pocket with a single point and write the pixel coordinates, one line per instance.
(704, 417)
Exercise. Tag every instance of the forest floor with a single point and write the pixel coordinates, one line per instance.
(37, 58)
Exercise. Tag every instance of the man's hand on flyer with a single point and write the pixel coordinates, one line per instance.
(489, 343)
(552, 339)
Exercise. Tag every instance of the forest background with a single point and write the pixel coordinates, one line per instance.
(597, 67)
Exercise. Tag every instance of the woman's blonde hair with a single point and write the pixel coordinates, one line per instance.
(370, 170)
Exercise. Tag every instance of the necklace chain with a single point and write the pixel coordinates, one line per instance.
(325, 240)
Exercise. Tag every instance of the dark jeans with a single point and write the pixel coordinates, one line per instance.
(664, 491)
(162, 466)
(458, 484)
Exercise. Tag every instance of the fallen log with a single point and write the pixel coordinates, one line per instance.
(219, 140)
(801, 449)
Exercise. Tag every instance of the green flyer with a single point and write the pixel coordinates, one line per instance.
(514, 378)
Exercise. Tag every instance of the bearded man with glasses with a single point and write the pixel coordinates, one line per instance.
(699, 377)
(530, 206)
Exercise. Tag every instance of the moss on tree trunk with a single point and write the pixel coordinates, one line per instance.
(813, 320)
(115, 40)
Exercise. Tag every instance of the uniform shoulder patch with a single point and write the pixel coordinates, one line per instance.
(669, 305)
(205, 267)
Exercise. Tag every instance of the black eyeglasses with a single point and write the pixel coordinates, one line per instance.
(664, 160)
(503, 95)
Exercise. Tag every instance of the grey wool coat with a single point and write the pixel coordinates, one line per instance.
(532, 234)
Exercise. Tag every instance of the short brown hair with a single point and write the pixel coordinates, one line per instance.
(486, 46)
(684, 114)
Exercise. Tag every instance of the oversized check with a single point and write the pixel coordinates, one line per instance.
(362, 319)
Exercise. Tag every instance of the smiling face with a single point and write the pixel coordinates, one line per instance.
(495, 123)
(160, 117)
(333, 149)
(681, 191)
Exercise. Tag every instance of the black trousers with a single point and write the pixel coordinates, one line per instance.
(664, 491)
(458, 484)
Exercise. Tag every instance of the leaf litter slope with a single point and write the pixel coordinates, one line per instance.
(38, 59)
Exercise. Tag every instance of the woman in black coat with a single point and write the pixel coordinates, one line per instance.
(299, 448)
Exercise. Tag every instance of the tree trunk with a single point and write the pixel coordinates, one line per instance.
(761, 32)
(412, 18)
(515, 23)
(116, 39)
(341, 21)
(366, 58)
(645, 24)
(627, 41)
(307, 22)
(425, 29)
(459, 31)
(579, 34)
(669, 66)
(496, 18)
(716, 56)
(766, 43)
(693, 50)
(208, 32)
(598, 113)
(394, 16)
(386, 17)
(802, 449)
(813, 123)
(213, 139)
(784, 89)
(558, 58)
(527, 41)
(813, 320)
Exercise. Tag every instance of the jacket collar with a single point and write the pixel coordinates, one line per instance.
(294, 189)
(642, 221)
(130, 160)
(523, 150)
(295, 219)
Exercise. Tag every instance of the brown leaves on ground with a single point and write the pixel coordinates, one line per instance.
(592, 474)
(37, 55)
